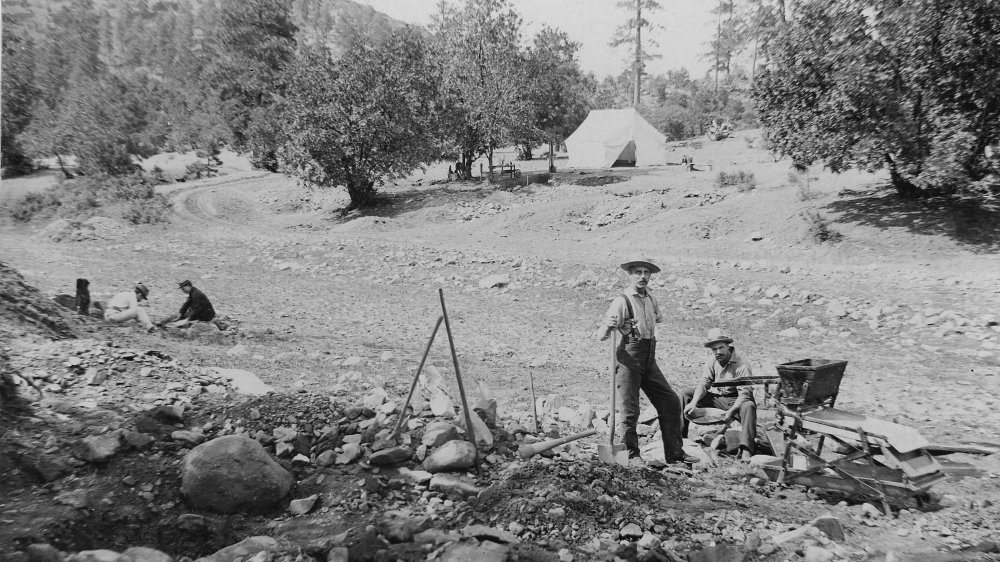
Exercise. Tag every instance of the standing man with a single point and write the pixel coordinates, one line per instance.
(124, 306)
(197, 307)
(635, 315)
(738, 402)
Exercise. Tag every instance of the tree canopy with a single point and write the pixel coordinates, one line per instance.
(362, 119)
(912, 86)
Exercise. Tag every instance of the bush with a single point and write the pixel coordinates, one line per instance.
(820, 229)
(743, 181)
(31, 205)
(132, 196)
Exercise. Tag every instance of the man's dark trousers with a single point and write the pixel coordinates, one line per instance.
(747, 414)
(637, 369)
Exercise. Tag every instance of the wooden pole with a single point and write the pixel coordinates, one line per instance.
(534, 402)
(458, 375)
(416, 377)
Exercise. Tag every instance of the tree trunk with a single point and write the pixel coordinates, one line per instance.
(903, 186)
(552, 160)
(361, 192)
(638, 53)
(62, 167)
(489, 161)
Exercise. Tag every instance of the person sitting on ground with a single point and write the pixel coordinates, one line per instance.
(124, 306)
(738, 402)
(197, 308)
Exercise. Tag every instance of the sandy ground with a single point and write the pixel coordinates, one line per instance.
(918, 284)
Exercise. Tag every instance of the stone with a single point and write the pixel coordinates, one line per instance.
(484, 437)
(630, 531)
(435, 537)
(453, 485)
(400, 526)
(233, 473)
(98, 449)
(95, 377)
(243, 382)
(283, 434)
(338, 554)
(648, 540)
(487, 411)
(144, 554)
(717, 553)
(244, 550)
(350, 452)
(789, 333)
(102, 555)
(375, 397)
(138, 441)
(420, 477)
(483, 532)
(43, 553)
(391, 456)
(465, 551)
(303, 506)
(191, 437)
(496, 280)
(817, 554)
(438, 433)
(830, 526)
(836, 308)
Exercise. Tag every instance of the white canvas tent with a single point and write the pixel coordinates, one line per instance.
(609, 135)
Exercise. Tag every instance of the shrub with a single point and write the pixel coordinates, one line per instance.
(131, 195)
(30, 205)
(820, 229)
(743, 181)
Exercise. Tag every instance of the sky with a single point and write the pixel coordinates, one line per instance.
(686, 28)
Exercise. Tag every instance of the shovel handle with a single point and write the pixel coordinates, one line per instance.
(614, 386)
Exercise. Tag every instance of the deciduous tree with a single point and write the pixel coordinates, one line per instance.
(365, 118)
(484, 77)
(912, 85)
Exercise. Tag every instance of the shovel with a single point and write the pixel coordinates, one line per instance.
(613, 453)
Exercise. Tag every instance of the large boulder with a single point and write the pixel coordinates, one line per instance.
(453, 455)
(233, 473)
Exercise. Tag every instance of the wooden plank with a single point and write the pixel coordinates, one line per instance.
(913, 464)
(901, 437)
(746, 381)
(938, 448)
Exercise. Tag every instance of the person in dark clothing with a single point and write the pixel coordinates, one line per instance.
(83, 297)
(197, 307)
(634, 315)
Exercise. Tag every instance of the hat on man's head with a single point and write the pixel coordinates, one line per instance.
(142, 290)
(716, 335)
(637, 260)
(184, 283)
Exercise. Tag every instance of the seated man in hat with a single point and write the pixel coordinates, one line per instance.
(634, 315)
(197, 308)
(124, 306)
(738, 402)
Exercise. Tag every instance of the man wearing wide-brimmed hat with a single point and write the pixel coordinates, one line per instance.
(197, 307)
(725, 364)
(124, 306)
(634, 315)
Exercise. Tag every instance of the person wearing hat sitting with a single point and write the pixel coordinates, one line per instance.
(635, 315)
(124, 306)
(738, 402)
(197, 307)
